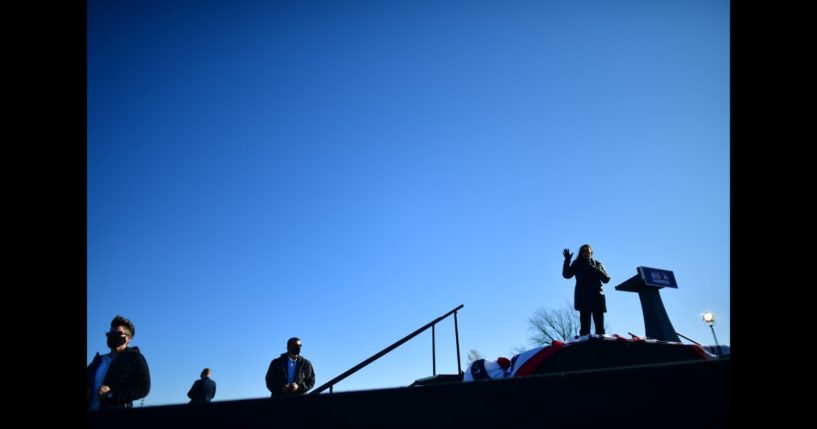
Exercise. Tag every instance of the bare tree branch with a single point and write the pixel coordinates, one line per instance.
(548, 324)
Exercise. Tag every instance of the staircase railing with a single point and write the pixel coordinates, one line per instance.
(329, 384)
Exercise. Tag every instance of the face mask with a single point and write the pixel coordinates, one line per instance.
(114, 342)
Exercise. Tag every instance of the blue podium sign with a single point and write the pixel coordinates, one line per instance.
(657, 277)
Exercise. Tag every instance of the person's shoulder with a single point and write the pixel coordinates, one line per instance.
(134, 352)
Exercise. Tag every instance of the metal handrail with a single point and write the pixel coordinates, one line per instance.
(688, 339)
(378, 355)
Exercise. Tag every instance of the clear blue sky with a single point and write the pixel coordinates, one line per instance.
(347, 171)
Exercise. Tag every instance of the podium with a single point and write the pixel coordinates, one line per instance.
(647, 283)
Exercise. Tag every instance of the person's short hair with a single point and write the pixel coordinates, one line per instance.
(292, 341)
(205, 372)
(125, 323)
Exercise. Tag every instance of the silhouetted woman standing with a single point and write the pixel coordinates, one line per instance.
(588, 297)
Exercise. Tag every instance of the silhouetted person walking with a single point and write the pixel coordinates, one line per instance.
(203, 389)
(290, 373)
(588, 297)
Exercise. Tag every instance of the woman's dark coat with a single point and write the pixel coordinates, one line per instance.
(590, 274)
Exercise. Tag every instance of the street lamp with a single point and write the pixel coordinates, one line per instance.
(709, 319)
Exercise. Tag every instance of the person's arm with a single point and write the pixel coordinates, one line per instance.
(602, 272)
(90, 372)
(270, 378)
(192, 389)
(309, 376)
(137, 384)
(567, 268)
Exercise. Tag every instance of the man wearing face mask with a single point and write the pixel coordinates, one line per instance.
(118, 378)
(290, 373)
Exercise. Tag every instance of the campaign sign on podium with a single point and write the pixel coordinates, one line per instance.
(657, 278)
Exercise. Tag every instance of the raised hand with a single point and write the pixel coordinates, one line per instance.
(567, 254)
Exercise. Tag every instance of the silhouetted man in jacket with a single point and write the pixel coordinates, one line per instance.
(118, 378)
(290, 373)
(203, 389)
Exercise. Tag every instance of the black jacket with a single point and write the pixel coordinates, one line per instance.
(277, 375)
(590, 274)
(203, 390)
(128, 377)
